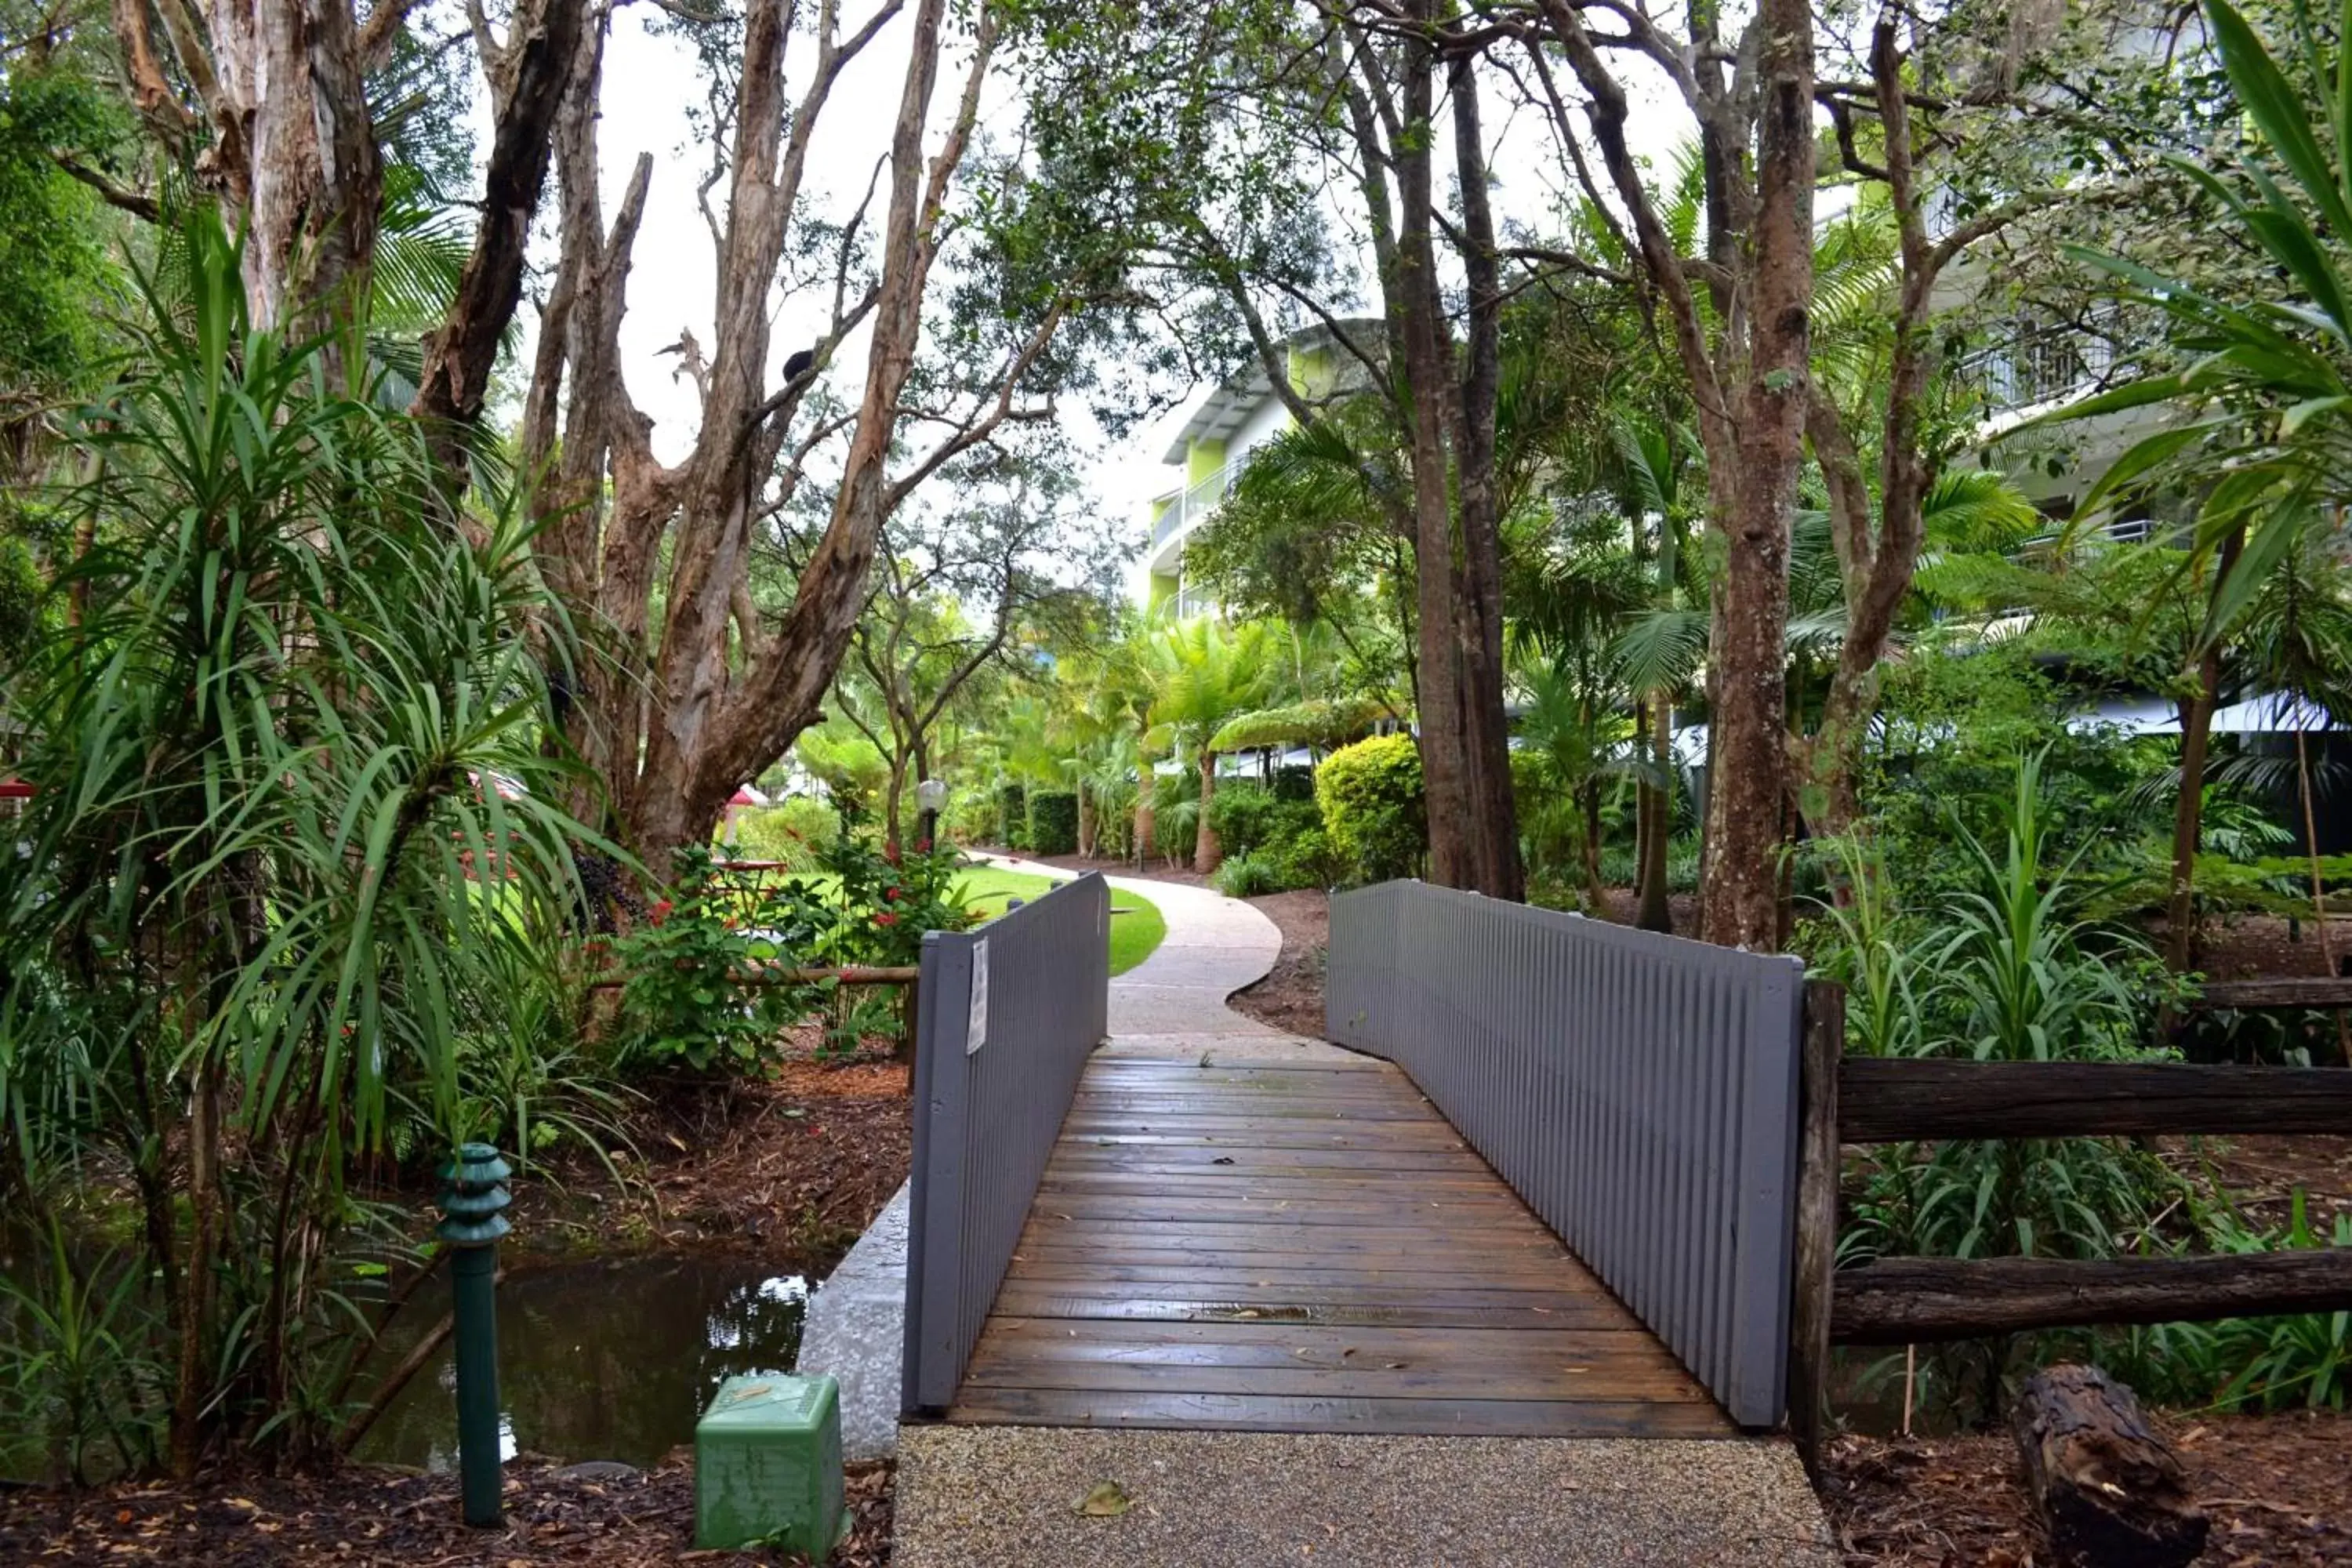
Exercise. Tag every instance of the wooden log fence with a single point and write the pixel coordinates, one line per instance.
(1911, 1300)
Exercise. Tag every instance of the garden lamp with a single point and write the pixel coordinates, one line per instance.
(930, 796)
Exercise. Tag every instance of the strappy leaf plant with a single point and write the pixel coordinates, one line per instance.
(293, 815)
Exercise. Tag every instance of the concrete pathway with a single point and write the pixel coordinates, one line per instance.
(1009, 1497)
(1172, 1005)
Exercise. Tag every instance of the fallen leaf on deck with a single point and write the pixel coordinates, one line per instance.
(1107, 1500)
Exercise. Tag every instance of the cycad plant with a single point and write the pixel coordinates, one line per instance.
(292, 811)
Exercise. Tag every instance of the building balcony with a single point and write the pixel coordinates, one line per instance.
(1180, 514)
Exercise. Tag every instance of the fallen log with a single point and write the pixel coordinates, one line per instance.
(2110, 1492)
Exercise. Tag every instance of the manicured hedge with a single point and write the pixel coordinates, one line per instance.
(1012, 815)
(1052, 822)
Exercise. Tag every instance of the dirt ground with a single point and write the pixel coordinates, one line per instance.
(2278, 1489)
(365, 1514)
(2252, 945)
(1291, 997)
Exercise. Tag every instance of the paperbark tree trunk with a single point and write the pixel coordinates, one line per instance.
(1446, 767)
(527, 75)
(676, 726)
(1746, 361)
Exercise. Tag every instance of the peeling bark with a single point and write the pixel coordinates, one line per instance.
(676, 716)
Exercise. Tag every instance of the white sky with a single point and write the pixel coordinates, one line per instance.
(650, 85)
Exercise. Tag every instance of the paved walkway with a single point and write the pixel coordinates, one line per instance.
(974, 1496)
(1175, 999)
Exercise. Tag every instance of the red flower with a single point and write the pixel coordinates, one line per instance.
(890, 895)
(885, 918)
(660, 912)
(923, 847)
(890, 853)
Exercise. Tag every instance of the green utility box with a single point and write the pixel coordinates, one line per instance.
(767, 1466)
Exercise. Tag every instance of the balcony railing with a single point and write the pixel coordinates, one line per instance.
(1190, 507)
(2039, 363)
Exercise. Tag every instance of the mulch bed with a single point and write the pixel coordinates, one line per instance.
(1291, 995)
(2258, 945)
(369, 1515)
(802, 1161)
(2278, 1489)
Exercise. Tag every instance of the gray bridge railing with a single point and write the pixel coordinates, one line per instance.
(1006, 1019)
(1638, 1091)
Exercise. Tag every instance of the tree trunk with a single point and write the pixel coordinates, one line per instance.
(1412, 294)
(294, 153)
(1146, 827)
(895, 788)
(1739, 903)
(2189, 807)
(1655, 806)
(1596, 895)
(526, 77)
(1086, 823)
(677, 732)
(2109, 1490)
(1204, 843)
(1485, 722)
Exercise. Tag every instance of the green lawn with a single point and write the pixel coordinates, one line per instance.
(1136, 922)
(1133, 933)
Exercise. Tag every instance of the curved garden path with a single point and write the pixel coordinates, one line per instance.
(1173, 1003)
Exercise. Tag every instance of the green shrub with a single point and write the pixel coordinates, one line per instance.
(1372, 811)
(1012, 817)
(797, 832)
(972, 818)
(1249, 818)
(1306, 859)
(1052, 822)
(1247, 876)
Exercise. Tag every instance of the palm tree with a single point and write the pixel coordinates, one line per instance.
(1208, 673)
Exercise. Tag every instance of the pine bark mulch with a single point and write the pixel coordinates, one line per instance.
(2277, 1487)
(367, 1515)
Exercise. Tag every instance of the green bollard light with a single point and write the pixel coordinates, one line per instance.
(471, 1226)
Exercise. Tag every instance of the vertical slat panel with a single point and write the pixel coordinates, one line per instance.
(986, 1120)
(1638, 1091)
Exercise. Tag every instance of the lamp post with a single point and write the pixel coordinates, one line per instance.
(930, 796)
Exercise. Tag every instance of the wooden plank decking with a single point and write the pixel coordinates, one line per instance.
(1302, 1246)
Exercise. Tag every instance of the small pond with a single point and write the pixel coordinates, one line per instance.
(600, 1361)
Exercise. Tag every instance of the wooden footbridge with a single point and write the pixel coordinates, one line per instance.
(1564, 1180)
(1301, 1246)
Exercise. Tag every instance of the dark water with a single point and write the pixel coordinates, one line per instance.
(601, 1361)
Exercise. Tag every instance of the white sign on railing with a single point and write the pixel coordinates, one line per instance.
(976, 1032)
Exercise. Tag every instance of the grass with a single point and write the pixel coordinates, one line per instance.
(1137, 925)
